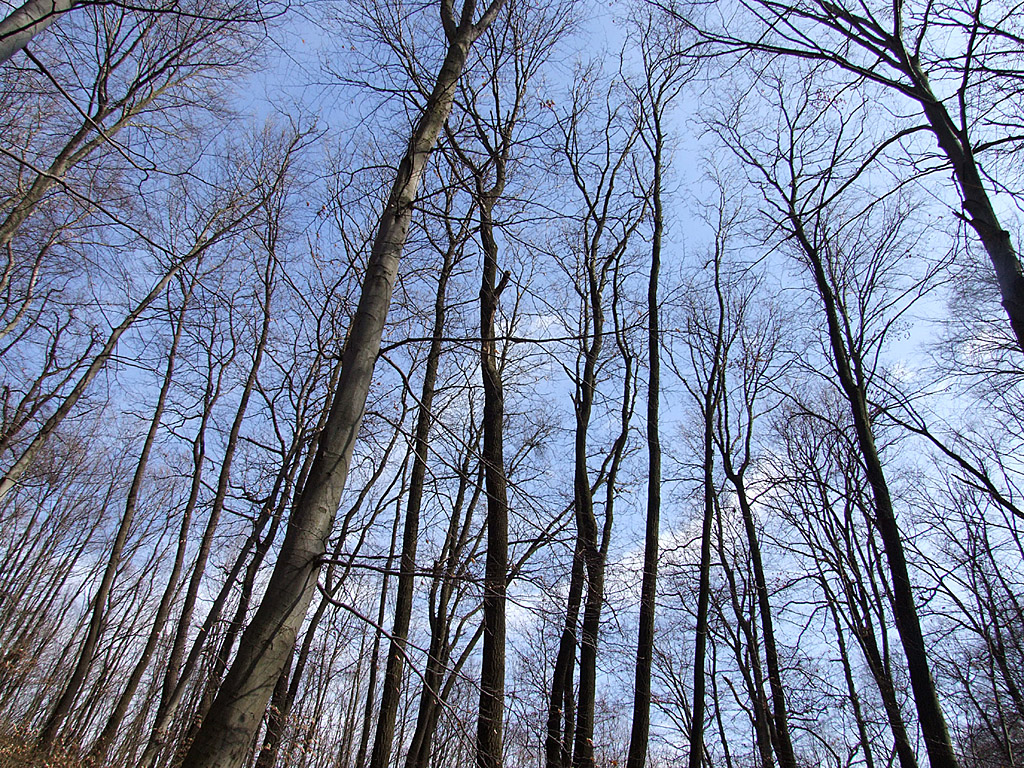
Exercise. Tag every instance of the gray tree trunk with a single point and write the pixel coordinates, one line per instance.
(27, 21)
(226, 736)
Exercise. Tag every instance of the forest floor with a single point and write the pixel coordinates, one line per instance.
(16, 752)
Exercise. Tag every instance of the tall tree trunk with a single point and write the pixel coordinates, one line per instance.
(748, 657)
(780, 714)
(391, 687)
(641, 725)
(709, 403)
(98, 752)
(562, 701)
(444, 599)
(908, 624)
(583, 751)
(490, 721)
(703, 595)
(378, 633)
(587, 537)
(226, 734)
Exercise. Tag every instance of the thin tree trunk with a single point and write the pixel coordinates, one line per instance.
(492, 667)
(442, 608)
(703, 597)
(865, 636)
(748, 658)
(561, 705)
(378, 633)
(709, 406)
(780, 714)
(583, 748)
(101, 746)
(24, 460)
(844, 657)
(587, 535)
(908, 624)
(391, 687)
(640, 729)
(48, 736)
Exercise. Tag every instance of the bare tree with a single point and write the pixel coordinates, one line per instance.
(599, 156)
(959, 89)
(802, 179)
(226, 733)
(662, 80)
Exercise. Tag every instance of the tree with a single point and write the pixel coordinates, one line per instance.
(599, 157)
(224, 738)
(398, 641)
(662, 81)
(801, 176)
(956, 65)
(25, 22)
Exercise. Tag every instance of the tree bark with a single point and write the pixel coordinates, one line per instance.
(24, 23)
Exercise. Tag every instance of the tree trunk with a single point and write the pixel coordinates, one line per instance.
(67, 698)
(703, 594)
(844, 657)
(24, 23)
(226, 734)
(391, 687)
(908, 624)
(442, 608)
(492, 667)
(98, 752)
(641, 726)
(780, 714)
(24, 460)
(561, 705)
(709, 403)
